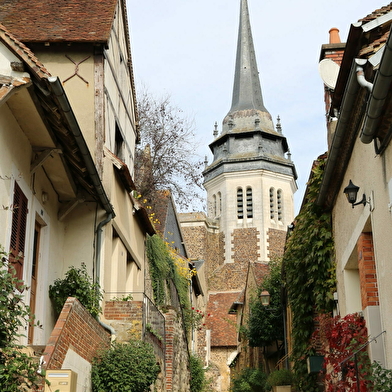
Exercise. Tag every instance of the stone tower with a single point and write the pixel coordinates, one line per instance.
(251, 182)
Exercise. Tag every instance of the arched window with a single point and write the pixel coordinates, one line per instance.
(240, 204)
(214, 204)
(272, 203)
(220, 203)
(249, 203)
(280, 205)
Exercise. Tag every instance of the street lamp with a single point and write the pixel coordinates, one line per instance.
(265, 298)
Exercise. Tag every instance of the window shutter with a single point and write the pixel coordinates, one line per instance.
(18, 231)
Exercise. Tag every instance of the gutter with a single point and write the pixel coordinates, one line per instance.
(344, 118)
(379, 93)
(58, 91)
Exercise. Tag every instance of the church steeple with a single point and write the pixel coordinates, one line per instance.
(247, 98)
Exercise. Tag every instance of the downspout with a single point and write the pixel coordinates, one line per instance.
(379, 94)
(361, 76)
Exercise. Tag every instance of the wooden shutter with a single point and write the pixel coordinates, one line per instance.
(18, 232)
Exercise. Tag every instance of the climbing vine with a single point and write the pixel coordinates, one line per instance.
(344, 346)
(164, 266)
(266, 323)
(309, 273)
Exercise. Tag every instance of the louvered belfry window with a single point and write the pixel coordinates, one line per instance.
(18, 233)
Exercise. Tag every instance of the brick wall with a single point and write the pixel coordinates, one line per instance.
(276, 241)
(367, 271)
(75, 328)
(126, 317)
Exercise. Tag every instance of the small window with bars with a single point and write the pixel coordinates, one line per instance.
(249, 203)
(272, 203)
(280, 205)
(240, 203)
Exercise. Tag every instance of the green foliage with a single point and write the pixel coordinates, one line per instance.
(381, 378)
(249, 380)
(162, 270)
(266, 323)
(309, 274)
(77, 283)
(18, 372)
(161, 266)
(198, 381)
(127, 367)
(279, 377)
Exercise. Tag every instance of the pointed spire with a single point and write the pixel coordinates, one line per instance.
(247, 95)
(247, 90)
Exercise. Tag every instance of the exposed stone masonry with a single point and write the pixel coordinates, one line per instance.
(276, 240)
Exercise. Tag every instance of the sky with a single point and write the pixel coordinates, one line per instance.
(187, 49)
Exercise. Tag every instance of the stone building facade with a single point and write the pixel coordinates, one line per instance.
(250, 185)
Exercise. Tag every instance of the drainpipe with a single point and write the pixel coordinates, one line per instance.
(379, 94)
(361, 76)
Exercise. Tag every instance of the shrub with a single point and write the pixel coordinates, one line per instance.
(18, 372)
(280, 377)
(77, 283)
(249, 380)
(381, 378)
(198, 382)
(125, 367)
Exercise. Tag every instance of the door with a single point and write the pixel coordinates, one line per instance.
(34, 278)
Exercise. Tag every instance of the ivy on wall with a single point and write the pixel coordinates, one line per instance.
(309, 274)
(266, 323)
(163, 268)
(344, 345)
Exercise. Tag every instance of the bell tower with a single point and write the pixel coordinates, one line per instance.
(251, 181)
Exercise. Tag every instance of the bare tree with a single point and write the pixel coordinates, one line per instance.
(166, 156)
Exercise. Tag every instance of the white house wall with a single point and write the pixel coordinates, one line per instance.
(372, 174)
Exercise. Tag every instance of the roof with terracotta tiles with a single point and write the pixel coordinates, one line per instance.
(220, 322)
(23, 52)
(59, 20)
(376, 13)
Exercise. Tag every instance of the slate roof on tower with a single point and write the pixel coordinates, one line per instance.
(247, 101)
(59, 21)
(249, 140)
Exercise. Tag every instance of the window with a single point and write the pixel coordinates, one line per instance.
(280, 205)
(272, 203)
(220, 203)
(18, 230)
(240, 204)
(249, 203)
(119, 144)
(214, 202)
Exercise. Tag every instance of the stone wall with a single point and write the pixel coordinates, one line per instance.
(276, 241)
(177, 358)
(245, 245)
